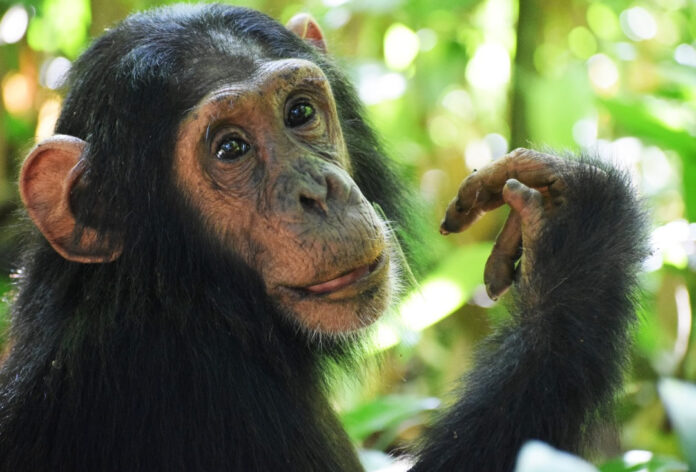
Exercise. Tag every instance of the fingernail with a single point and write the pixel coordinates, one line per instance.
(443, 230)
(491, 294)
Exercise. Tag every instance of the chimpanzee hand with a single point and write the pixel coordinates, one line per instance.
(580, 232)
(533, 184)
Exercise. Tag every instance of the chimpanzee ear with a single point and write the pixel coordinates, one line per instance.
(49, 173)
(307, 28)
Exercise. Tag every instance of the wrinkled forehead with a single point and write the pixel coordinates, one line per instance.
(265, 79)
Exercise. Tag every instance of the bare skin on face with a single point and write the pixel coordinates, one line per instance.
(265, 163)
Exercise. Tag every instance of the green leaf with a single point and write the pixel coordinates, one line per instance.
(635, 118)
(680, 402)
(5, 299)
(384, 413)
(552, 111)
(464, 266)
(61, 25)
(440, 294)
(643, 461)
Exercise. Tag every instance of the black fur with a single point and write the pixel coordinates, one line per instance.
(172, 357)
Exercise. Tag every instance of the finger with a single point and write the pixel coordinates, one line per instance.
(458, 219)
(482, 190)
(500, 267)
(529, 204)
(526, 201)
(532, 168)
(472, 202)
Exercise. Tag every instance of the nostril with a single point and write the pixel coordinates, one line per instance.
(313, 205)
(307, 203)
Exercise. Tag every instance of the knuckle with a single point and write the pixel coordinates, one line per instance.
(518, 152)
(532, 195)
(513, 184)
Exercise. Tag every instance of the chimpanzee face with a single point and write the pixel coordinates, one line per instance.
(264, 163)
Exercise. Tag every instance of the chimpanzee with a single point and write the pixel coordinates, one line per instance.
(209, 235)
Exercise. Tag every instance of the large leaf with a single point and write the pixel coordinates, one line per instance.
(680, 402)
(441, 293)
(5, 288)
(384, 413)
(447, 288)
(635, 118)
(643, 461)
(552, 111)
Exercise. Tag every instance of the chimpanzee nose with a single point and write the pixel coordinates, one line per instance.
(320, 191)
(314, 190)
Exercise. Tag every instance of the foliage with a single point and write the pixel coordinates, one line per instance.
(451, 85)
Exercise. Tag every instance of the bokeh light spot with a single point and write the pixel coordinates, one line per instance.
(16, 93)
(585, 132)
(497, 144)
(427, 39)
(376, 85)
(401, 46)
(602, 71)
(48, 115)
(13, 24)
(489, 69)
(685, 54)
(54, 71)
(458, 102)
(602, 20)
(477, 154)
(582, 42)
(638, 24)
(443, 131)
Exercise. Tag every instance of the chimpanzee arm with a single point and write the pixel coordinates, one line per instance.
(546, 372)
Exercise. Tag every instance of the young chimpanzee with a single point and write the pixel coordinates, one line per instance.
(207, 238)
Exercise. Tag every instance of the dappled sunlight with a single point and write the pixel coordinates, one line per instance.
(450, 87)
(427, 305)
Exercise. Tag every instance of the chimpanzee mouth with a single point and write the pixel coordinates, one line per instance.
(358, 278)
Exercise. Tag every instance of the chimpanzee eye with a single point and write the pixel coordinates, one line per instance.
(299, 114)
(231, 148)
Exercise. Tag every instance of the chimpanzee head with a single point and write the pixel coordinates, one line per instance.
(199, 127)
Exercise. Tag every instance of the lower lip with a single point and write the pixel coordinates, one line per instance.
(362, 282)
(344, 280)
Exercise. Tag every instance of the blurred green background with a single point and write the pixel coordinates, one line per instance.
(452, 85)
